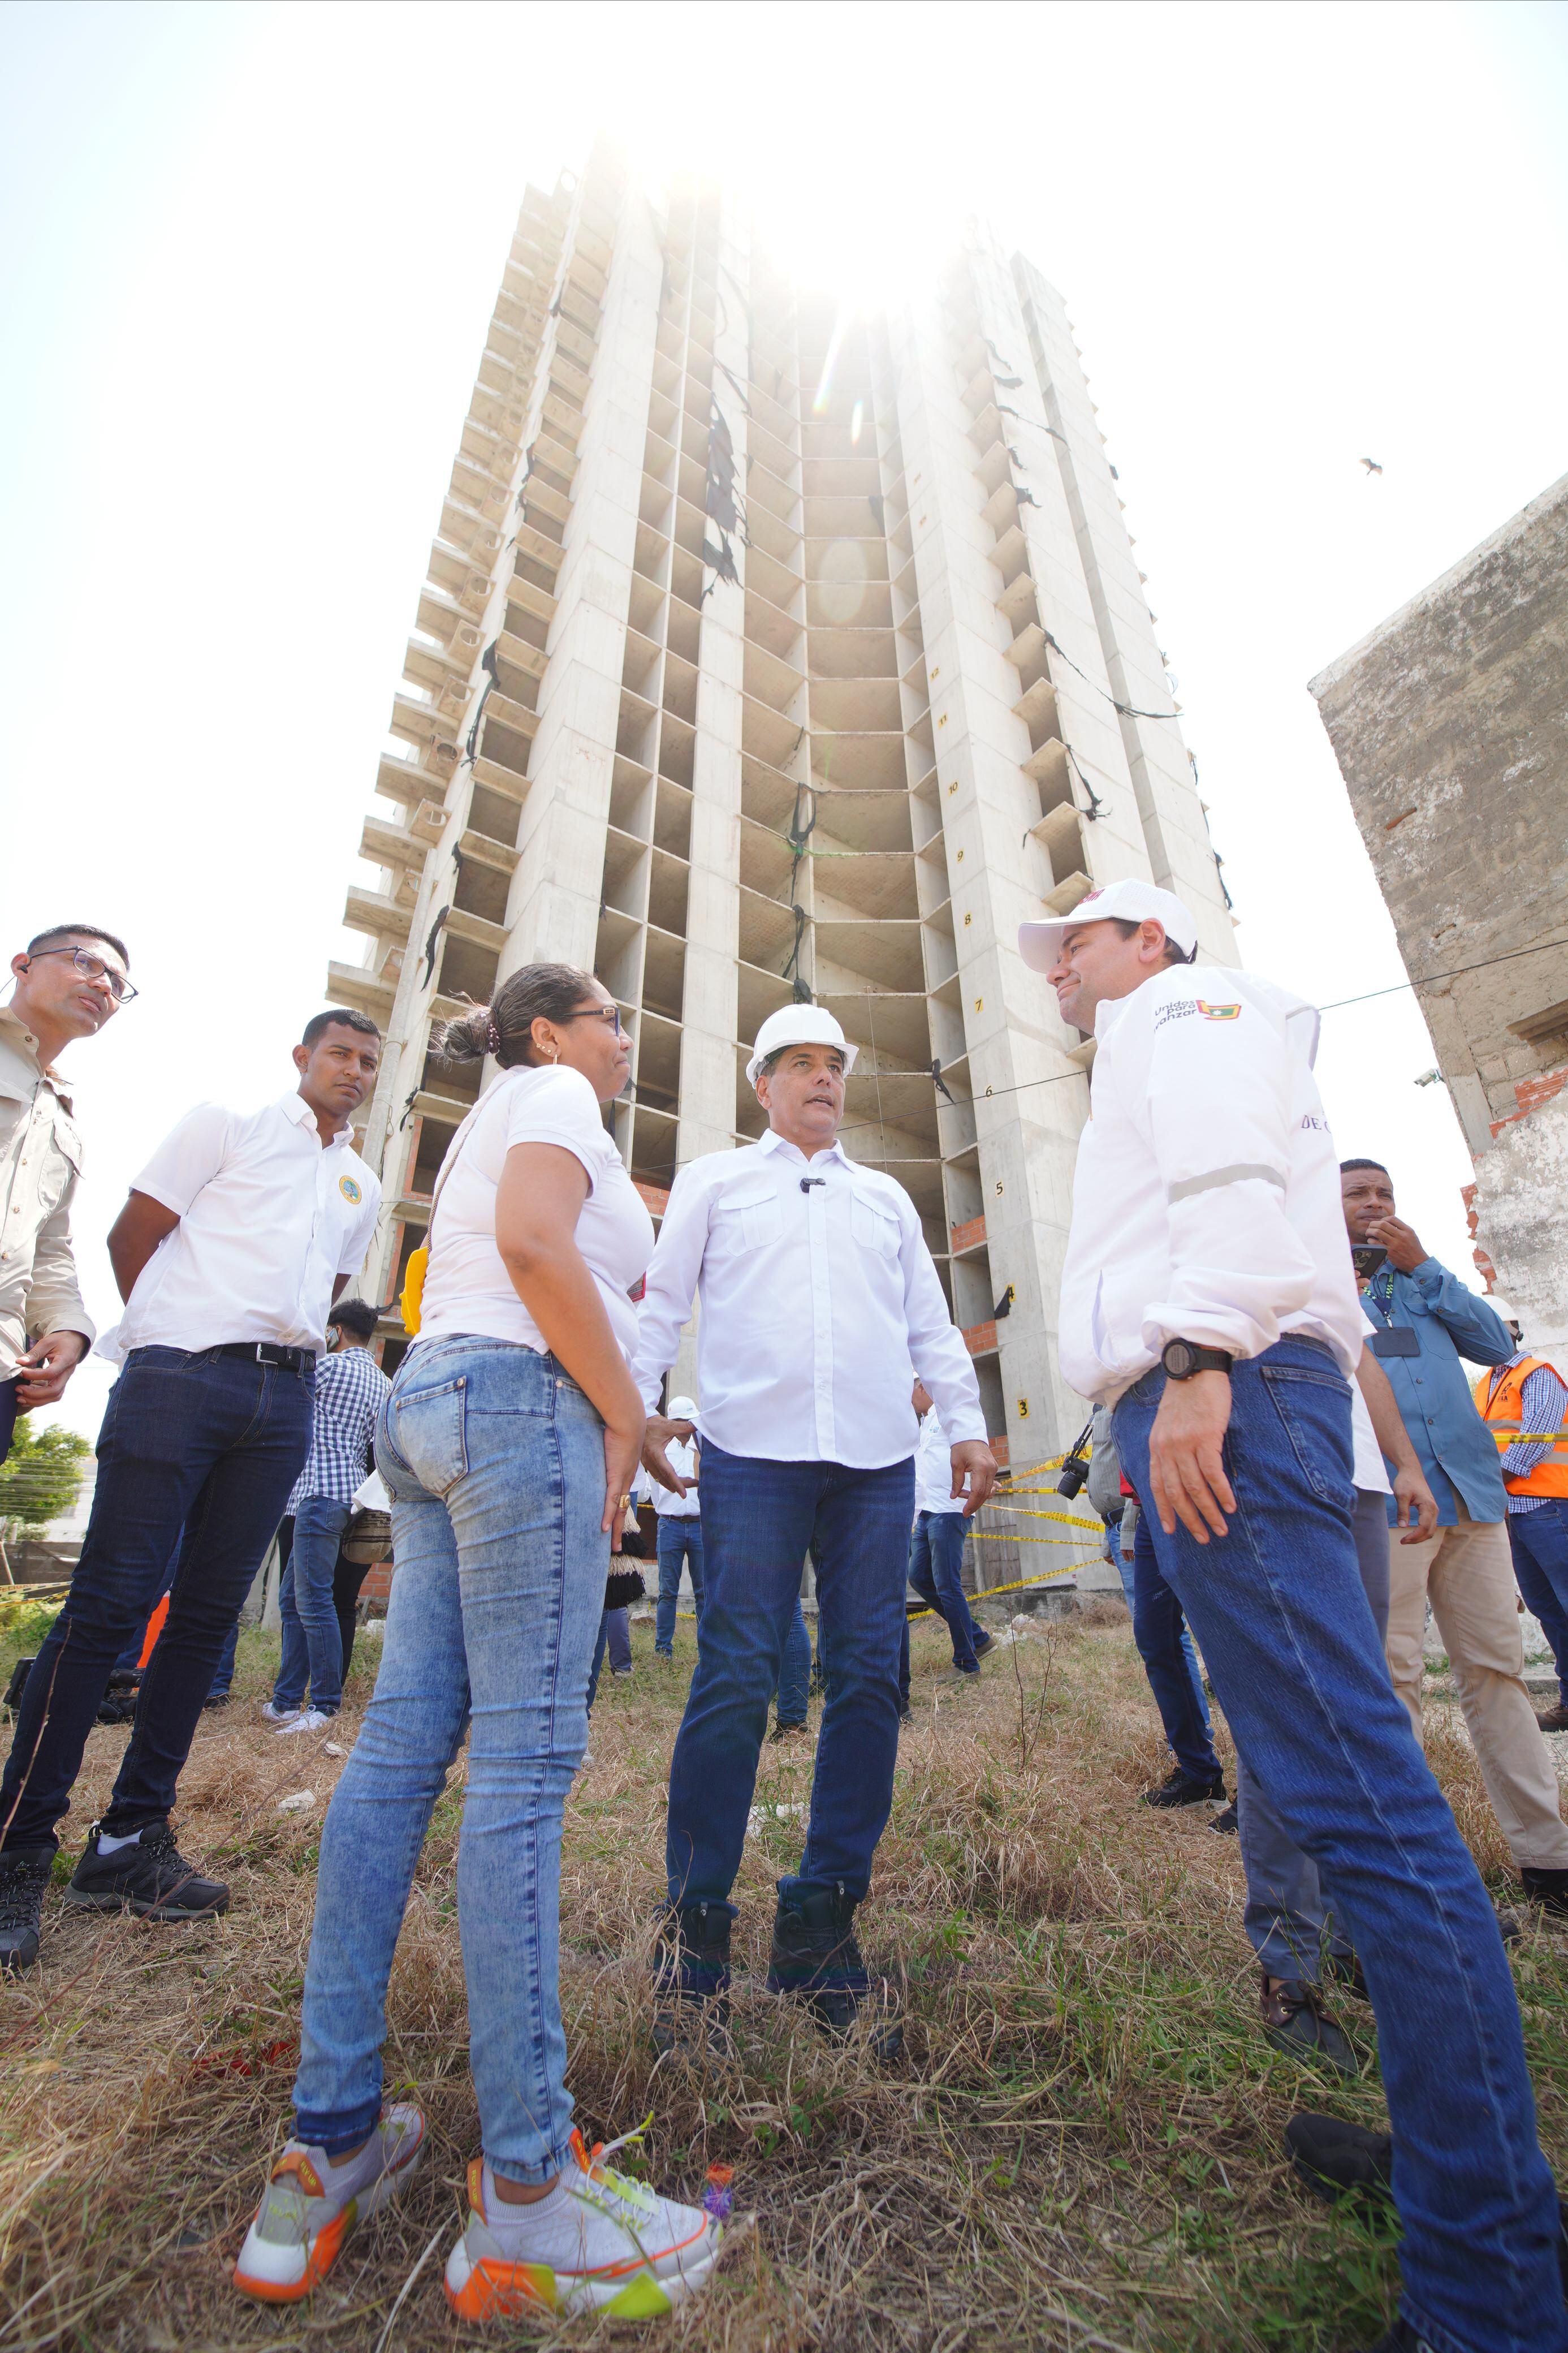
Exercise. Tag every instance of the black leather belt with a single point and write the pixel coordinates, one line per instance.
(268, 1352)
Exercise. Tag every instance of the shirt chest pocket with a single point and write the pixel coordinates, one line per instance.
(58, 1158)
(874, 1227)
(747, 1221)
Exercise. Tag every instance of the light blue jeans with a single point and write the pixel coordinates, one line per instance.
(494, 1461)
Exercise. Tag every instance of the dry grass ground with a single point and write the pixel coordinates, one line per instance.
(1080, 2148)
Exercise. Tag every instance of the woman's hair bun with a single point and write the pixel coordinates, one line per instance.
(465, 1040)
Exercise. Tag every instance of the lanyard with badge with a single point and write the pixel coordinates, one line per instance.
(1394, 1339)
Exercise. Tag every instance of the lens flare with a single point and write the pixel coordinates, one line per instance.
(856, 422)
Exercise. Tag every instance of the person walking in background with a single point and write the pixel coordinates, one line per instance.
(508, 1444)
(350, 1389)
(817, 1293)
(236, 1238)
(936, 1546)
(680, 1526)
(66, 984)
(1207, 1295)
(1423, 1319)
(1524, 1404)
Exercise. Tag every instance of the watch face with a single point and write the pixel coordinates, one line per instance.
(1178, 1359)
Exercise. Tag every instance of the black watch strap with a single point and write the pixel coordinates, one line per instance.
(1182, 1358)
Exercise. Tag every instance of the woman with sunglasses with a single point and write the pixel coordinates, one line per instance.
(508, 1443)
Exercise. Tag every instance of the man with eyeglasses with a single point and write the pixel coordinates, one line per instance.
(237, 1241)
(68, 981)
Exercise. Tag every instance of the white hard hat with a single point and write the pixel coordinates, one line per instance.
(681, 1409)
(798, 1025)
(1130, 901)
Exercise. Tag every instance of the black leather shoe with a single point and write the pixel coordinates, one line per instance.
(1180, 1789)
(24, 1875)
(1226, 1823)
(1294, 2020)
(1555, 1719)
(1547, 1888)
(692, 1980)
(151, 1878)
(816, 1957)
(1337, 2159)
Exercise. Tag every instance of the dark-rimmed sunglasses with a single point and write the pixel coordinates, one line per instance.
(597, 1013)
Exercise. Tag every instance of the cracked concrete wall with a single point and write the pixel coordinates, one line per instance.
(1450, 725)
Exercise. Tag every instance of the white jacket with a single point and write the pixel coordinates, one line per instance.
(1206, 1201)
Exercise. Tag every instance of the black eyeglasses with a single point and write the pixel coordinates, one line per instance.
(597, 1013)
(93, 967)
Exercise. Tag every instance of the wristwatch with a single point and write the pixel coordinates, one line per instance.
(1182, 1358)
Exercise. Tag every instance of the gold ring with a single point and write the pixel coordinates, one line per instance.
(625, 1503)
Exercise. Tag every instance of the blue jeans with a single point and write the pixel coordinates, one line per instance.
(204, 1441)
(1288, 1916)
(936, 1572)
(312, 1644)
(1278, 1608)
(758, 1517)
(1170, 1661)
(615, 1636)
(494, 1461)
(1538, 1542)
(223, 1673)
(793, 1693)
(680, 1540)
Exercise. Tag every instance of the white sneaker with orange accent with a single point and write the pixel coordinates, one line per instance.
(312, 2205)
(599, 2243)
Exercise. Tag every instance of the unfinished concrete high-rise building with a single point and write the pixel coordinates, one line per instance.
(770, 651)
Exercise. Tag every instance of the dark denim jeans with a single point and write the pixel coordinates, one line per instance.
(1160, 1632)
(758, 1517)
(223, 1673)
(1286, 1632)
(793, 1693)
(679, 1541)
(936, 1572)
(312, 1643)
(615, 1636)
(208, 1441)
(8, 1416)
(1538, 1542)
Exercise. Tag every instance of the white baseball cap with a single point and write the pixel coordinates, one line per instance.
(1130, 901)
(798, 1025)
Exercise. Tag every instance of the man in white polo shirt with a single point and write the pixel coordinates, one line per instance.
(818, 1293)
(238, 1237)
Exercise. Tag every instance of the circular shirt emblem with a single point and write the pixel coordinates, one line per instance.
(348, 1187)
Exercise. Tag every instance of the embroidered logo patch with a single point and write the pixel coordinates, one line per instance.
(1218, 1012)
(350, 1190)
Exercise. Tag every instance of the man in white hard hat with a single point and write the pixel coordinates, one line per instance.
(817, 1293)
(1208, 1295)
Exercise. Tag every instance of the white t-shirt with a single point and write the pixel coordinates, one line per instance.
(1371, 1475)
(467, 1287)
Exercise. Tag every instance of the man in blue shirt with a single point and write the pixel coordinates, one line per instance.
(1422, 1320)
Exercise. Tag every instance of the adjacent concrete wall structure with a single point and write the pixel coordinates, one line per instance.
(768, 653)
(1450, 725)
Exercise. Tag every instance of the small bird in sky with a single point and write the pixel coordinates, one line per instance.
(1372, 465)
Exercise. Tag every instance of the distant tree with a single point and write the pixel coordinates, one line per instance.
(41, 1478)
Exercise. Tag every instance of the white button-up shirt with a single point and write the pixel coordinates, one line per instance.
(268, 1219)
(818, 1293)
(664, 1501)
(934, 1468)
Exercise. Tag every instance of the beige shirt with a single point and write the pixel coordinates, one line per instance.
(40, 1162)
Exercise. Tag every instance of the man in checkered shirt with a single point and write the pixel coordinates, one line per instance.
(349, 1390)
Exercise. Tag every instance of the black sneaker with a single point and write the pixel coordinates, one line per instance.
(151, 1877)
(816, 1956)
(692, 1980)
(24, 1875)
(1295, 2021)
(1180, 1789)
(783, 1731)
(1225, 1824)
(214, 1699)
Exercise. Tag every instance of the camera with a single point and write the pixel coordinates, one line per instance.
(1075, 1470)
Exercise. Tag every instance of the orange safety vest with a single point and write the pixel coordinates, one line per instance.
(1501, 1410)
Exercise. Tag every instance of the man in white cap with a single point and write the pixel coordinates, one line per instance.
(817, 1293)
(1208, 1295)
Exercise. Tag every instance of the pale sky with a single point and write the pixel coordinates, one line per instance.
(246, 257)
